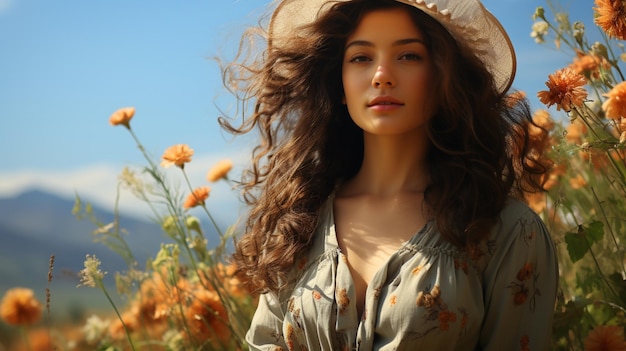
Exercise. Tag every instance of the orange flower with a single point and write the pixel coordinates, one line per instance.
(122, 116)
(605, 338)
(197, 197)
(565, 90)
(20, 307)
(207, 317)
(577, 182)
(177, 155)
(589, 66)
(615, 106)
(514, 98)
(611, 17)
(219, 171)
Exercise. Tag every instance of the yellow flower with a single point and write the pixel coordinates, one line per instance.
(565, 90)
(20, 307)
(605, 338)
(177, 155)
(611, 17)
(122, 117)
(219, 171)
(615, 106)
(197, 197)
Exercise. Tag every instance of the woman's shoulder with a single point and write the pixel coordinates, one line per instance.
(516, 214)
(517, 231)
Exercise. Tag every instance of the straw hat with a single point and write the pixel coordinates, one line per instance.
(467, 21)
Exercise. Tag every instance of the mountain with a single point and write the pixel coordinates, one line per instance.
(36, 224)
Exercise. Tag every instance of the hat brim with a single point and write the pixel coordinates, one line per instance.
(468, 21)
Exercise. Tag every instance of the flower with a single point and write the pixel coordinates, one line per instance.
(91, 274)
(540, 30)
(122, 117)
(207, 317)
(565, 89)
(219, 171)
(611, 17)
(197, 197)
(615, 106)
(177, 155)
(20, 307)
(95, 328)
(590, 66)
(605, 338)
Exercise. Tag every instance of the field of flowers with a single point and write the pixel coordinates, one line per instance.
(189, 296)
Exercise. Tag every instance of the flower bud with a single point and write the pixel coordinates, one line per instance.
(539, 13)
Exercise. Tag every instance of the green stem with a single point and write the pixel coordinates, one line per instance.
(595, 260)
(117, 312)
(606, 220)
(24, 335)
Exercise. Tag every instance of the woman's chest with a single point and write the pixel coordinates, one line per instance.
(414, 299)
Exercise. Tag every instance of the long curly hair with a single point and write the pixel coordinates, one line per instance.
(479, 156)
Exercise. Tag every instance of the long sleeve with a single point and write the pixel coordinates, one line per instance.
(520, 284)
(265, 331)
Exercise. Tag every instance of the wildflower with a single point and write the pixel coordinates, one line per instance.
(193, 224)
(611, 17)
(539, 31)
(95, 329)
(197, 197)
(39, 340)
(539, 13)
(590, 66)
(514, 98)
(219, 171)
(565, 89)
(579, 32)
(605, 338)
(91, 274)
(122, 117)
(577, 182)
(615, 106)
(20, 307)
(177, 155)
(207, 317)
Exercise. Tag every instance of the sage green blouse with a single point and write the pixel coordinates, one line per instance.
(428, 296)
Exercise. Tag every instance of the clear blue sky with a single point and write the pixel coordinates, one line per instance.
(66, 65)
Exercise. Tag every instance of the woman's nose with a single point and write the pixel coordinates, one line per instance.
(383, 77)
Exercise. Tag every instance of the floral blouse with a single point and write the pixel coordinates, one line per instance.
(428, 296)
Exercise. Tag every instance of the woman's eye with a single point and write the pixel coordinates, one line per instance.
(411, 57)
(361, 58)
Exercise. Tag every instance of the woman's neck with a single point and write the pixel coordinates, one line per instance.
(391, 165)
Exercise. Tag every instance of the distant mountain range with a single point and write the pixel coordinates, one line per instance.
(37, 224)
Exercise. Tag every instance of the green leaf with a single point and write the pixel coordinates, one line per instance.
(579, 243)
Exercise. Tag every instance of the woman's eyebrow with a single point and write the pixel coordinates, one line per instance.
(399, 42)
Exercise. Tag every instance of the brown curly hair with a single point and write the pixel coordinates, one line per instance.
(479, 155)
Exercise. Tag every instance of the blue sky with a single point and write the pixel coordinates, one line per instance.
(66, 65)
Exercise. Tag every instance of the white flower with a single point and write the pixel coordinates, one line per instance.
(95, 329)
(540, 30)
(91, 274)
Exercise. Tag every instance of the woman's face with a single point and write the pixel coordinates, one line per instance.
(387, 75)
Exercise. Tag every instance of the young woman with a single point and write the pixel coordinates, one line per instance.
(384, 193)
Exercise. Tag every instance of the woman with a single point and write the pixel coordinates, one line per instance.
(383, 191)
